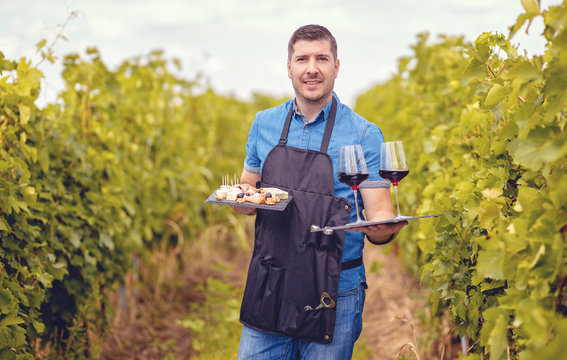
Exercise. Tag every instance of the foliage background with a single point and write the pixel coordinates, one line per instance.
(485, 129)
(120, 167)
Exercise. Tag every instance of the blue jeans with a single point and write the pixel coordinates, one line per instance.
(257, 345)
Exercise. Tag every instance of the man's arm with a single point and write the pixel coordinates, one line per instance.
(377, 207)
(250, 179)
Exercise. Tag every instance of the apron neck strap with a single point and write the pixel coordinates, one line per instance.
(328, 127)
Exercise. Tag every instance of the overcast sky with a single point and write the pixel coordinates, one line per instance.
(240, 45)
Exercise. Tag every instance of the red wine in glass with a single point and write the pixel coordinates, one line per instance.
(352, 169)
(394, 176)
(393, 166)
(352, 180)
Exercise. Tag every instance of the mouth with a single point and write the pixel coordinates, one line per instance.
(312, 82)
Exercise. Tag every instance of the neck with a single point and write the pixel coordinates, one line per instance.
(310, 109)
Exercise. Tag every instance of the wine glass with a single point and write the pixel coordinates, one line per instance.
(352, 169)
(393, 166)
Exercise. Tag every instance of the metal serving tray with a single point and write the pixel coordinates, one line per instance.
(315, 228)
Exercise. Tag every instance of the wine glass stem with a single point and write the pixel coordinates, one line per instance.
(397, 201)
(356, 204)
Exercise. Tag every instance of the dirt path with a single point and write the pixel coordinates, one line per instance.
(392, 301)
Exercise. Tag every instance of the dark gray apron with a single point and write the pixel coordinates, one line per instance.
(293, 278)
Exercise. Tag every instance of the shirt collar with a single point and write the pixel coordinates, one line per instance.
(325, 110)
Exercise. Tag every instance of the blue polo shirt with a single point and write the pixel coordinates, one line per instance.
(349, 129)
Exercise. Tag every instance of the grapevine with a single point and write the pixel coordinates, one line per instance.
(485, 129)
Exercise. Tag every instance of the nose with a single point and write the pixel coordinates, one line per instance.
(312, 67)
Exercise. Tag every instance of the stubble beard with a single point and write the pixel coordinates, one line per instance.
(322, 99)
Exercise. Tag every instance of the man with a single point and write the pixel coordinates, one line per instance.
(305, 290)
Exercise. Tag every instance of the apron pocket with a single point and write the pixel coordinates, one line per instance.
(272, 299)
(262, 298)
(306, 324)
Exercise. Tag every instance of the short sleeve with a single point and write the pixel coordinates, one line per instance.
(371, 141)
(252, 162)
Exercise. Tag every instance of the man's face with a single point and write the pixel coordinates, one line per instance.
(313, 70)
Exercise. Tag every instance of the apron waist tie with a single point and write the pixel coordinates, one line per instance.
(351, 264)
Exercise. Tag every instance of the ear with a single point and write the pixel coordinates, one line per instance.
(289, 69)
(337, 66)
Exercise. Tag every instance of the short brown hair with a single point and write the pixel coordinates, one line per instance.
(311, 33)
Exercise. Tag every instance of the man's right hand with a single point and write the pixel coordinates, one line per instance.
(251, 179)
(244, 210)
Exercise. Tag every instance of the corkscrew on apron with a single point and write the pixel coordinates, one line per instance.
(326, 302)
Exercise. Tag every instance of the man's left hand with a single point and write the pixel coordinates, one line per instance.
(382, 233)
